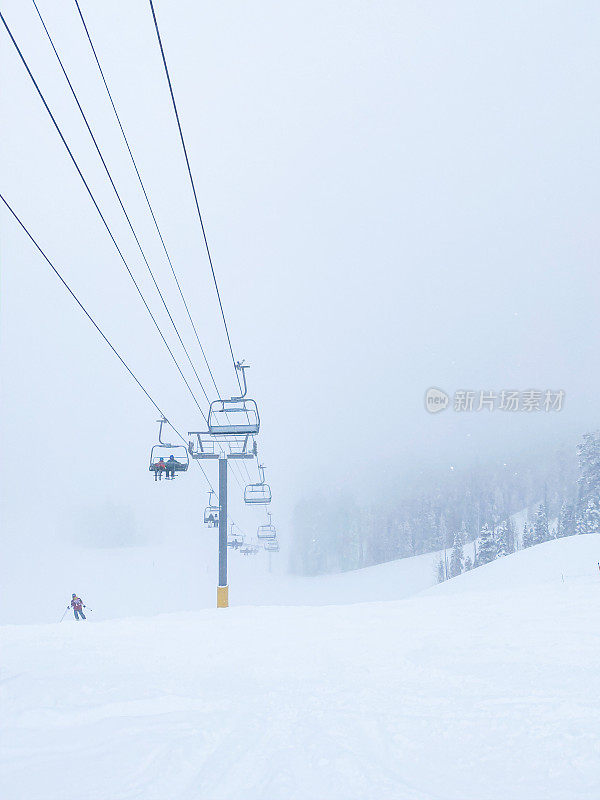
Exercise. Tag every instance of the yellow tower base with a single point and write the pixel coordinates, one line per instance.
(222, 596)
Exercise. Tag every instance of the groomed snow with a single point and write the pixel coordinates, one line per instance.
(484, 688)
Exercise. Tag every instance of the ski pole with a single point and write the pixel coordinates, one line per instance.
(63, 616)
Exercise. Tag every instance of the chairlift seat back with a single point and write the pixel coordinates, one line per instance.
(257, 494)
(233, 417)
(266, 532)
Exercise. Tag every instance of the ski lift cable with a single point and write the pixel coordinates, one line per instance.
(150, 208)
(90, 193)
(91, 319)
(112, 183)
(189, 170)
(137, 172)
(79, 303)
(98, 328)
(197, 204)
(97, 207)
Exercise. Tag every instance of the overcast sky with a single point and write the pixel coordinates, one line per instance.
(397, 195)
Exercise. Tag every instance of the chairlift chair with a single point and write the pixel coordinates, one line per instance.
(267, 530)
(164, 450)
(236, 539)
(271, 546)
(236, 416)
(211, 516)
(211, 513)
(258, 494)
(235, 542)
(233, 417)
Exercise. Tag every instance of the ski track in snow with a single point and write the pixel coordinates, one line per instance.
(483, 688)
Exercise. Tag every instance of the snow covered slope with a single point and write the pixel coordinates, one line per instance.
(484, 688)
(162, 578)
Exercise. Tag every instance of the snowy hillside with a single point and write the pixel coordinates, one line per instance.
(483, 688)
(156, 579)
(153, 579)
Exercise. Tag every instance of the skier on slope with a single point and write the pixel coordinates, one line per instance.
(77, 606)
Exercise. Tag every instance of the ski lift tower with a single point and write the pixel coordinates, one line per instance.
(232, 425)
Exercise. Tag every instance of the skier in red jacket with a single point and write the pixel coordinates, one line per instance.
(159, 468)
(77, 606)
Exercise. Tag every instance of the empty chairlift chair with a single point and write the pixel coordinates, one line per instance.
(233, 417)
(267, 530)
(258, 494)
(237, 416)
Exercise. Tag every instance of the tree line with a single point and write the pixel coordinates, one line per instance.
(579, 514)
(468, 515)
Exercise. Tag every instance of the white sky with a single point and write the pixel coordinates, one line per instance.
(396, 194)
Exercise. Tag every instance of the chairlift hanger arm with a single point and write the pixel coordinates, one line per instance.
(241, 367)
(163, 421)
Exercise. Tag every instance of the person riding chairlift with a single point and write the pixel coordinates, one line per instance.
(159, 468)
(170, 467)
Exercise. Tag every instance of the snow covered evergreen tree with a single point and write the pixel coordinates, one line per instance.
(588, 500)
(488, 547)
(589, 521)
(443, 532)
(443, 538)
(511, 539)
(527, 535)
(502, 536)
(541, 532)
(409, 538)
(441, 571)
(566, 520)
(589, 470)
(593, 516)
(456, 557)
